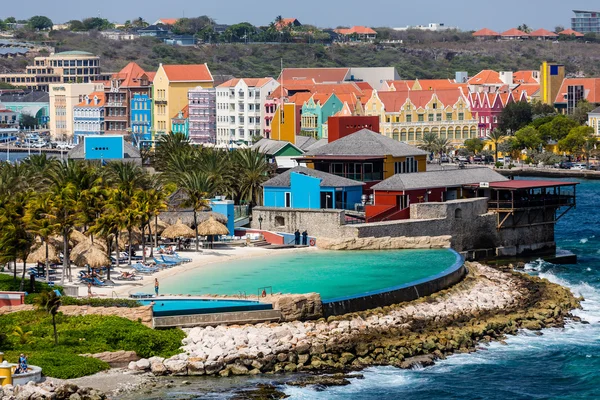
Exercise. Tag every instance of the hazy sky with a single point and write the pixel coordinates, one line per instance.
(466, 14)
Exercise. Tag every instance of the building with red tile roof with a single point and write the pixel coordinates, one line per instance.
(542, 34)
(359, 33)
(486, 33)
(88, 116)
(574, 90)
(571, 32)
(187, 73)
(166, 21)
(318, 75)
(285, 22)
(485, 77)
(514, 34)
(180, 122)
(527, 77)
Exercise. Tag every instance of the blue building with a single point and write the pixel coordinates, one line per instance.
(302, 187)
(141, 118)
(88, 116)
(105, 148)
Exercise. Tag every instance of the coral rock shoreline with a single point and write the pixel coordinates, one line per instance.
(487, 305)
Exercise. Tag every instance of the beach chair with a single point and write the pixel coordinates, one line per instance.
(177, 257)
(98, 282)
(164, 264)
(143, 269)
(171, 260)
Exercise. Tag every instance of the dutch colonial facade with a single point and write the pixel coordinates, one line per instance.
(202, 115)
(486, 109)
(407, 116)
(141, 118)
(241, 109)
(88, 116)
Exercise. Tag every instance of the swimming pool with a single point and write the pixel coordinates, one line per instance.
(333, 274)
(171, 307)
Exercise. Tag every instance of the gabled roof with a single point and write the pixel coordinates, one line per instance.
(185, 113)
(571, 32)
(167, 21)
(439, 179)
(327, 179)
(131, 75)
(359, 30)
(591, 89)
(318, 144)
(514, 32)
(319, 75)
(529, 89)
(485, 32)
(526, 77)
(287, 22)
(271, 147)
(366, 143)
(91, 96)
(250, 82)
(543, 33)
(595, 111)
(188, 73)
(486, 77)
(304, 141)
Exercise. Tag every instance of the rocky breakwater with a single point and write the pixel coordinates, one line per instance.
(48, 390)
(385, 243)
(485, 306)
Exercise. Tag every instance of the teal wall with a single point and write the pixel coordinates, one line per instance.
(39, 110)
(332, 106)
(181, 128)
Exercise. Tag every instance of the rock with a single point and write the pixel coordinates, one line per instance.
(262, 392)
(238, 369)
(195, 367)
(532, 325)
(425, 360)
(115, 358)
(157, 367)
(176, 367)
(321, 382)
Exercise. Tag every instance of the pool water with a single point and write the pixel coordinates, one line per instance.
(169, 307)
(333, 274)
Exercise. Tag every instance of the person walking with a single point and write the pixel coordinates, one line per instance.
(156, 286)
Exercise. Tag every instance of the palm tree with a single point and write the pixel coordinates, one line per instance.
(252, 170)
(117, 204)
(429, 142)
(107, 226)
(49, 302)
(168, 146)
(197, 186)
(496, 136)
(37, 216)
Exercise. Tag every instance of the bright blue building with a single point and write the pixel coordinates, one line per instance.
(141, 117)
(302, 187)
(105, 148)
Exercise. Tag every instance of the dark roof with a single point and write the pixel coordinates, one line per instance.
(515, 185)
(303, 142)
(272, 147)
(24, 97)
(366, 143)
(595, 111)
(317, 144)
(130, 152)
(327, 180)
(437, 179)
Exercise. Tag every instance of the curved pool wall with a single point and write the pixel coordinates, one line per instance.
(177, 307)
(397, 294)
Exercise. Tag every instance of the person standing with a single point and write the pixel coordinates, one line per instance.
(297, 237)
(89, 289)
(156, 286)
(305, 238)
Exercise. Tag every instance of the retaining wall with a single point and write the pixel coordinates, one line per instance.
(230, 318)
(399, 294)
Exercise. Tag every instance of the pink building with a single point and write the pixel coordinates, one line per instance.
(202, 115)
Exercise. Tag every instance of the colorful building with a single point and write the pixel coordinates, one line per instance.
(180, 121)
(8, 118)
(285, 122)
(315, 112)
(88, 116)
(594, 120)
(29, 102)
(105, 148)
(574, 90)
(551, 79)
(141, 118)
(119, 91)
(486, 109)
(202, 115)
(306, 188)
(357, 33)
(170, 91)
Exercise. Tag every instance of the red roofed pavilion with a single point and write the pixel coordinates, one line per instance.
(486, 33)
(513, 34)
(571, 32)
(543, 34)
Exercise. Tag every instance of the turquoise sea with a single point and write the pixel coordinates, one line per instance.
(560, 364)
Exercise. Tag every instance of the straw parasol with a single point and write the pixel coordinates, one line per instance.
(179, 230)
(212, 227)
(80, 248)
(39, 255)
(159, 226)
(136, 237)
(78, 237)
(93, 256)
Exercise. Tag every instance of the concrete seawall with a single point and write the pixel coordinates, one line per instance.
(550, 173)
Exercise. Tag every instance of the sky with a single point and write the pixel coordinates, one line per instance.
(464, 14)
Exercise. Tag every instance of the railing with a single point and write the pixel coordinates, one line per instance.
(364, 177)
(241, 211)
(548, 201)
(262, 291)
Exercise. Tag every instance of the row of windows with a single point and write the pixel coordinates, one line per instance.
(86, 112)
(116, 126)
(241, 120)
(161, 125)
(430, 117)
(73, 63)
(200, 126)
(140, 118)
(240, 93)
(81, 71)
(140, 129)
(161, 109)
(141, 105)
(412, 136)
(88, 126)
(161, 94)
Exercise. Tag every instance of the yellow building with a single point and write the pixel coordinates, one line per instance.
(284, 126)
(62, 98)
(551, 79)
(594, 121)
(65, 67)
(408, 115)
(170, 91)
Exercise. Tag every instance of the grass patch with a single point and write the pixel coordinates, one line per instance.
(98, 302)
(81, 335)
(9, 284)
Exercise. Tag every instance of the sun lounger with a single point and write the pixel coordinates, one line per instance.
(143, 269)
(98, 282)
(177, 257)
(170, 260)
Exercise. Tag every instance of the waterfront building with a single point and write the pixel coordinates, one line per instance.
(63, 98)
(8, 118)
(374, 76)
(241, 109)
(574, 90)
(551, 78)
(306, 188)
(486, 109)
(594, 120)
(119, 91)
(490, 81)
(141, 118)
(586, 21)
(180, 122)
(279, 152)
(407, 116)
(170, 91)
(315, 112)
(27, 102)
(285, 122)
(105, 148)
(202, 115)
(365, 156)
(88, 116)
(65, 67)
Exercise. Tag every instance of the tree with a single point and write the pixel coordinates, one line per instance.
(97, 24)
(528, 138)
(509, 147)
(580, 112)
(76, 25)
(429, 142)
(515, 116)
(524, 28)
(28, 121)
(40, 22)
(559, 28)
(580, 141)
(474, 146)
(557, 128)
(50, 302)
(252, 170)
(11, 20)
(539, 109)
(496, 136)
(36, 216)
(198, 187)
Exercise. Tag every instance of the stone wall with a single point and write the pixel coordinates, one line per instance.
(142, 314)
(298, 307)
(386, 243)
(319, 223)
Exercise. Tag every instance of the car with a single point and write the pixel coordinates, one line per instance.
(62, 146)
(53, 145)
(579, 167)
(477, 159)
(445, 159)
(565, 165)
(462, 159)
(488, 159)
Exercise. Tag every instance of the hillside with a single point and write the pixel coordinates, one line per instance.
(412, 59)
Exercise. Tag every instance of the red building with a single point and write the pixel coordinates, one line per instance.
(341, 126)
(486, 108)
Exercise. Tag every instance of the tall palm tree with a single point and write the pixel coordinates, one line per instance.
(37, 216)
(50, 302)
(173, 144)
(496, 136)
(107, 226)
(117, 204)
(252, 169)
(198, 187)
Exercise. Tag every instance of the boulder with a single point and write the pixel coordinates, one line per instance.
(176, 367)
(157, 367)
(425, 360)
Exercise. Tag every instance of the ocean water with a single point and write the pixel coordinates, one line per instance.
(330, 273)
(561, 364)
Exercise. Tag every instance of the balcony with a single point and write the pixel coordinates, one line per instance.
(428, 124)
(116, 104)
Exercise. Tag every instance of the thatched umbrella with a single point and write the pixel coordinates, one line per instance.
(212, 228)
(178, 230)
(159, 226)
(78, 237)
(136, 237)
(94, 257)
(39, 255)
(80, 248)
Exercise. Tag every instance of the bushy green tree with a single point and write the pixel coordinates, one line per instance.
(557, 128)
(474, 146)
(40, 22)
(515, 116)
(580, 142)
(528, 138)
(580, 112)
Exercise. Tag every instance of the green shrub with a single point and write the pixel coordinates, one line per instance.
(60, 364)
(8, 283)
(499, 164)
(97, 302)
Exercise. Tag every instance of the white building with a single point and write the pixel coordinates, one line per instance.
(241, 109)
(434, 27)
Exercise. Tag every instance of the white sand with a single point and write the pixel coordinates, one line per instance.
(199, 260)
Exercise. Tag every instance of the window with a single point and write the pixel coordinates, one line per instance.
(421, 118)
(435, 106)
(409, 118)
(288, 200)
(430, 117)
(438, 117)
(461, 116)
